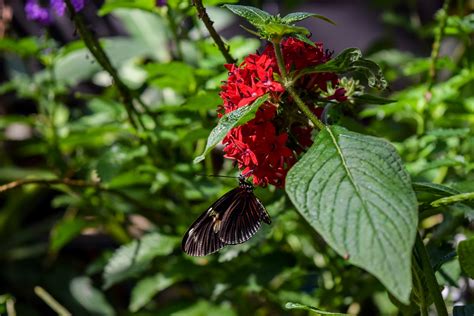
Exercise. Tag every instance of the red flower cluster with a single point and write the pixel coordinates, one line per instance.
(261, 147)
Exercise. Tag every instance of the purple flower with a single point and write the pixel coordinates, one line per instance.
(160, 3)
(78, 4)
(58, 6)
(37, 13)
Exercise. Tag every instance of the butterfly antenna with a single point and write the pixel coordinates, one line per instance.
(217, 176)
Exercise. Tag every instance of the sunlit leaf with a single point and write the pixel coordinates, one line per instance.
(229, 121)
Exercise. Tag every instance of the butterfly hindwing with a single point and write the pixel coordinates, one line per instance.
(242, 219)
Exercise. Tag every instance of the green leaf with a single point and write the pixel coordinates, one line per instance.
(291, 305)
(111, 5)
(77, 64)
(434, 188)
(371, 99)
(462, 197)
(27, 46)
(350, 60)
(467, 310)
(300, 16)
(354, 190)
(64, 231)
(176, 75)
(254, 15)
(144, 291)
(148, 29)
(229, 121)
(466, 256)
(272, 29)
(89, 297)
(135, 257)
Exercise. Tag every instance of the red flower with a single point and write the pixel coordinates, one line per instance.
(260, 147)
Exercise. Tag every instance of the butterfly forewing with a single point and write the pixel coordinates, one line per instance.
(201, 238)
(232, 219)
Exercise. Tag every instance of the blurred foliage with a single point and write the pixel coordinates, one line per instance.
(108, 242)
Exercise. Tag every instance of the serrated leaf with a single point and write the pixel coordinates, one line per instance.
(300, 16)
(144, 291)
(253, 15)
(350, 60)
(466, 256)
(130, 259)
(467, 310)
(291, 305)
(229, 121)
(64, 231)
(354, 190)
(89, 297)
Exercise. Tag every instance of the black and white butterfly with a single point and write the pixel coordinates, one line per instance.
(232, 219)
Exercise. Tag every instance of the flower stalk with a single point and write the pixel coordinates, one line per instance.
(288, 83)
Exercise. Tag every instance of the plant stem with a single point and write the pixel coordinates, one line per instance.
(288, 83)
(224, 49)
(76, 183)
(93, 44)
(439, 33)
(430, 277)
(51, 302)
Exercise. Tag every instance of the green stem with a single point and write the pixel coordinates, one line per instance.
(288, 83)
(430, 277)
(280, 60)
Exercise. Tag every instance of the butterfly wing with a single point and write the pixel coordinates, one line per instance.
(202, 238)
(243, 217)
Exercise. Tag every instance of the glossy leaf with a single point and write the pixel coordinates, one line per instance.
(253, 15)
(229, 121)
(353, 189)
(290, 305)
(300, 16)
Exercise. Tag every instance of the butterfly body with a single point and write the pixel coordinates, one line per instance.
(232, 219)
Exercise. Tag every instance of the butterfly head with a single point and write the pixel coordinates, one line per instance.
(243, 183)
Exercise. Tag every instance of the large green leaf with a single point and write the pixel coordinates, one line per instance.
(466, 256)
(229, 121)
(353, 189)
(135, 257)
